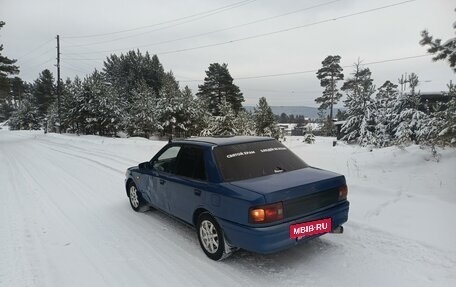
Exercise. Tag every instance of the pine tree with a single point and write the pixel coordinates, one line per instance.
(218, 87)
(7, 69)
(329, 75)
(383, 105)
(407, 119)
(44, 92)
(443, 51)
(11, 99)
(26, 117)
(265, 123)
(246, 125)
(223, 124)
(142, 119)
(199, 116)
(77, 105)
(129, 71)
(102, 108)
(359, 89)
(284, 118)
(67, 103)
(446, 119)
(173, 108)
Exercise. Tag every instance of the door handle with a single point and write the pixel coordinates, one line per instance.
(197, 192)
(162, 181)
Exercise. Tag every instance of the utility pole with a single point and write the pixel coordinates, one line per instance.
(58, 82)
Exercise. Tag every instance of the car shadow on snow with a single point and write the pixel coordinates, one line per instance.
(302, 254)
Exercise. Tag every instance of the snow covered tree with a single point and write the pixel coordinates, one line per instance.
(174, 108)
(445, 119)
(142, 117)
(246, 125)
(102, 106)
(441, 51)
(407, 118)
(10, 100)
(230, 123)
(329, 75)
(218, 87)
(360, 124)
(26, 117)
(7, 69)
(223, 124)
(265, 123)
(78, 107)
(128, 71)
(44, 92)
(383, 105)
(66, 105)
(196, 113)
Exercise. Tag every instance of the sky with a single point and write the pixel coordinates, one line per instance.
(272, 47)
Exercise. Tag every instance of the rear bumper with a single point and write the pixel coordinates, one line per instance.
(275, 238)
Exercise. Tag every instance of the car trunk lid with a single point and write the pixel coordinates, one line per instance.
(301, 191)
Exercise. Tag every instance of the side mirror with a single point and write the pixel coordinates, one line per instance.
(145, 165)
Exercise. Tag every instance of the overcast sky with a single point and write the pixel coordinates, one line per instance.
(320, 28)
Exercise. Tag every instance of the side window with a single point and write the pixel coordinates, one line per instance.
(167, 160)
(190, 163)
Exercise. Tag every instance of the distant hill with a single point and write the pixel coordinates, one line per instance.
(308, 112)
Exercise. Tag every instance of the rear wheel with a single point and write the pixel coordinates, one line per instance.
(210, 237)
(136, 201)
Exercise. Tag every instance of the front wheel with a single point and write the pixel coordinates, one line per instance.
(136, 201)
(210, 237)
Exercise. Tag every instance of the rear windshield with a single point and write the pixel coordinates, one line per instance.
(249, 160)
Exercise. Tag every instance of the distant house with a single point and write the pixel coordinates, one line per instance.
(298, 131)
(292, 129)
(432, 100)
(286, 129)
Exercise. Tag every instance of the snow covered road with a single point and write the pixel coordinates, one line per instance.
(65, 220)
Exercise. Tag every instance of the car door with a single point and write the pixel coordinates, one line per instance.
(185, 188)
(163, 165)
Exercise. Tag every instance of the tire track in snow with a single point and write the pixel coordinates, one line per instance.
(169, 252)
(98, 153)
(153, 249)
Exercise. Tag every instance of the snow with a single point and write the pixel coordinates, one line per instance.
(65, 220)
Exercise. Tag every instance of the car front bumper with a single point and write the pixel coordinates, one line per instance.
(277, 237)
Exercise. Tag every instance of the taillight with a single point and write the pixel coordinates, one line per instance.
(343, 191)
(266, 213)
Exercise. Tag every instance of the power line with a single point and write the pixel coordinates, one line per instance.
(39, 65)
(35, 49)
(278, 31)
(282, 91)
(315, 70)
(65, 65)
(210, 32)
(285, 30)
(203, 14)
(21, 61)
(157, 29)
(74, 67)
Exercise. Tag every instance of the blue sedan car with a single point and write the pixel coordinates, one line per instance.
(240, 192)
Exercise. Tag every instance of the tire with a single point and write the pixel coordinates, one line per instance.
(210, 237)
(136, 201)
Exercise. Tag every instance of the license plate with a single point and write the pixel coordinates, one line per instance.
(310, 228)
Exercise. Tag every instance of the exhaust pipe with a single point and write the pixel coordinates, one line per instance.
(339, 229)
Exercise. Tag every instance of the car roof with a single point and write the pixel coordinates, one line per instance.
(225, 140)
